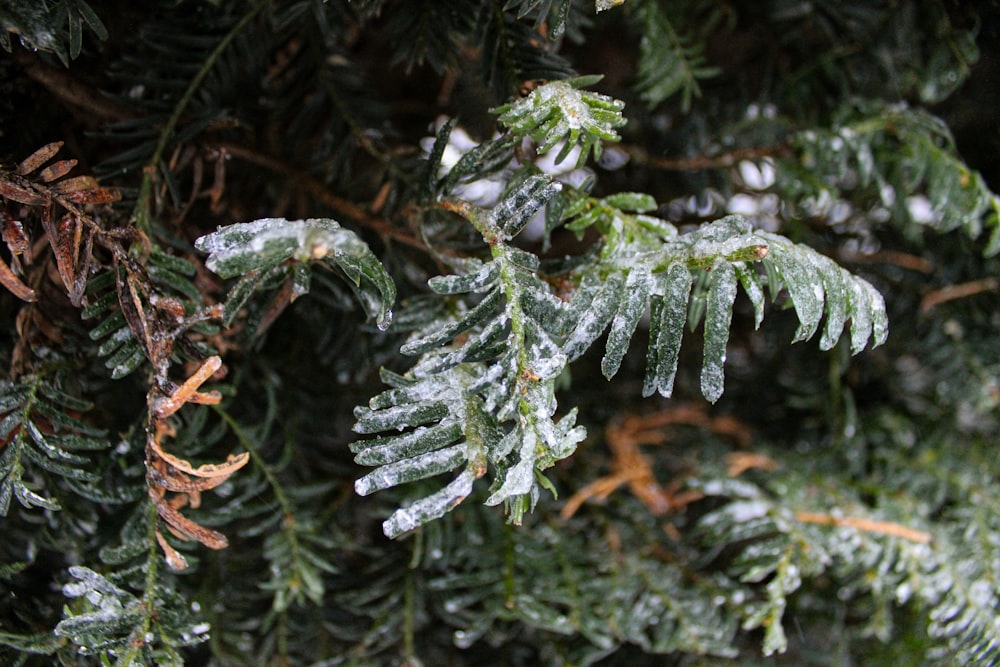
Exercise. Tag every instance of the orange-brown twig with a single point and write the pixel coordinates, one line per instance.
(952, 292)
(188, 392)
(318, 190)
(738, 463)
(867, 525)
(631, 467)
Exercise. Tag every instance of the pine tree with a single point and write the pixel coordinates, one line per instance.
(459, 332)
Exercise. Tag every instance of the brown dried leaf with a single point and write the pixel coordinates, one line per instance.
(182, 483)
(10, 280)
(75, 184)
(38, 158)
(14, 236)
(65, 241)
(209, 470)
(129, 289)
(56, 170)
(205, 398)
(83, 270)
(164, 406)
(175, 561)
(19, 194)
(210, 538)
(95, 196)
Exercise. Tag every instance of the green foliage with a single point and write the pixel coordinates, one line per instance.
(559, 113)
(56, 27)
(258, 251)
(42, 437)
(668, 62)
(895, 152)
(297, 384)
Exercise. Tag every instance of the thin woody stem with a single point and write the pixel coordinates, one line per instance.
(703, 162)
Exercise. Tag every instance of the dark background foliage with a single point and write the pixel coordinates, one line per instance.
(727, 522)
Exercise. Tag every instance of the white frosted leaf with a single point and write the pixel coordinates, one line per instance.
(751, 285)
(516, 209)
(568, 436)
(803, 282)
(482, 345)
(382, 451)
(587, 287)
(504, 446)
(432, 507)
(412, 469)
(442, 335)
(860, 309)
(425, 389)
(519, 478)
(880, 319)
(543, 307)
(546, 367)
(666, 329)
(88, 580)
(835, 285)
(263, 244)
(479, 281)
(238, 248)
(731, 237)
(522, 259)
(544, 358)
(635, 299)
(868, 316)
(399, 416)
(718, 317)
(596, 318)
(558, 113)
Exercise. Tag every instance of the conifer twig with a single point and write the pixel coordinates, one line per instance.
(318, 190)
(952, 292)
(867, 525)
(140, 212)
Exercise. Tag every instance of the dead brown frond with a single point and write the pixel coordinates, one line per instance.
(631, 467)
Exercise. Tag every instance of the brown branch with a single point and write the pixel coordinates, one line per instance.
(81, 96)
(318, 190)
(701, 162)
(900, 259)
(631, 467)
(70, 91)
(867, 525)
(960, 291)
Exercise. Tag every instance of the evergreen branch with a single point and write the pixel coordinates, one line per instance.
(37, 428)
(252, 249)
(865, 512)
(42, 27)
(295, 566)
(317, 189)
(866, 144)
(110, 621)
(667, 64)
(552, 13)
(559, 114)
(644, 264)
(141, 210)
